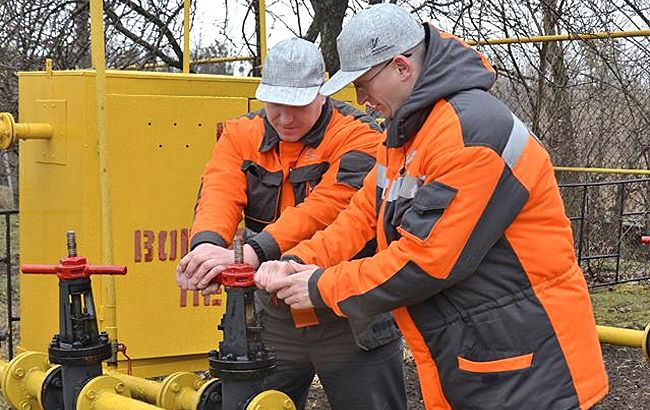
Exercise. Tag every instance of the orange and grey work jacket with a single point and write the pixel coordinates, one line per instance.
(475, 254)
(288, 191)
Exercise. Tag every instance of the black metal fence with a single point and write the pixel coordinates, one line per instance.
(10, 261)
(608, 220)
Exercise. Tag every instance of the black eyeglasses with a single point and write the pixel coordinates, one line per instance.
(363, 87)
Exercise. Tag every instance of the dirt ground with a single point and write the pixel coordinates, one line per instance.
(629, 382)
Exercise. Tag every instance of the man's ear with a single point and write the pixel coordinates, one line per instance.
(404, 66)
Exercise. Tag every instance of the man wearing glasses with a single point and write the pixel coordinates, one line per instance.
(475, 254)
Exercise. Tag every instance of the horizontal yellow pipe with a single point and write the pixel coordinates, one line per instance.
(625, 337)
(141, 389)
(108, 393)
(212, 60)
(34, 131)
(107, 400)
(10, 131)
(604, 170)
(620, 336)
(562, 37)
(34, 381)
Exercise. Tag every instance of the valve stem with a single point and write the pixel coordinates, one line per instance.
(72, 243)
(239, 249)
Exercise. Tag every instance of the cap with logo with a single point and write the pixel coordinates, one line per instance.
(371, 37)
(293, 73)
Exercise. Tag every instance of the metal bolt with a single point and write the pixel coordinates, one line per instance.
(239, 249)
(91, 395)
(288, 404)
(120, 388)
(25, 406)
(19, 373)
(72, 243)
(198, 384)
(174, 387)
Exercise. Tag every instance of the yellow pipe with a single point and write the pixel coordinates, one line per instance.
(108, 393)
(141, 389)
(186, 37)
(21, 380)
(262, 39)
(3, 368)
(212, 60)
(625, 337)
(562, 37)
(99, 63)
(217, 60)
(604, 170)
(10, 131)
(179, 391)
(494, 41)
(34, 381)
(39, 131)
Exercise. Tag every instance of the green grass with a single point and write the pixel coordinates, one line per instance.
(625, 305)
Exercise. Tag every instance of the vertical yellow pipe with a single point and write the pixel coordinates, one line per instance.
(99, 64)
(262, 39)
(186, 37)
(3, 368)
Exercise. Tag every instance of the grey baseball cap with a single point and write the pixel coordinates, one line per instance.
(371, 37)
(293, 73)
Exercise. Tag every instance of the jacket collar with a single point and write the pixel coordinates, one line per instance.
(449, 67)
(313, 138)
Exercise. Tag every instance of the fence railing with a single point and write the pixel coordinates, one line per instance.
(10, 269)
(608, 229)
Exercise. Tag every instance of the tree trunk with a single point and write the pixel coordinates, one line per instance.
(328, 21)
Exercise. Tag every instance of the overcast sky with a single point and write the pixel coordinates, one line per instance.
(210, 15)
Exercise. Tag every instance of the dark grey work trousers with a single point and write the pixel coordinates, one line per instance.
(351, 377)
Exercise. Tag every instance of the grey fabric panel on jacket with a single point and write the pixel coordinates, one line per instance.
(207, 237)
(262, 191)
(426, 208)
(488, 122)
(265, 246)
(301, 176)
(485, 120)
(353, 168)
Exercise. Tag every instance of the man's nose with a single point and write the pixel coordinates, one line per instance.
(286, 117)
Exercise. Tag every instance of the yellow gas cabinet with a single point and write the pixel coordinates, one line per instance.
(161, 129)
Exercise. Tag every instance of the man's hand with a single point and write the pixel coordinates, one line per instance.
(204, 263)
(294, 289)
(289, 279)
(270, 271)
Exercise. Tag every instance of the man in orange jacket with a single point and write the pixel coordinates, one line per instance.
(291, 167)
(475, 254)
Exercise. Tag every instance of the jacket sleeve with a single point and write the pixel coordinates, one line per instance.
(463, 207)
(347, 235)
(348, 167)
(222, 194)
